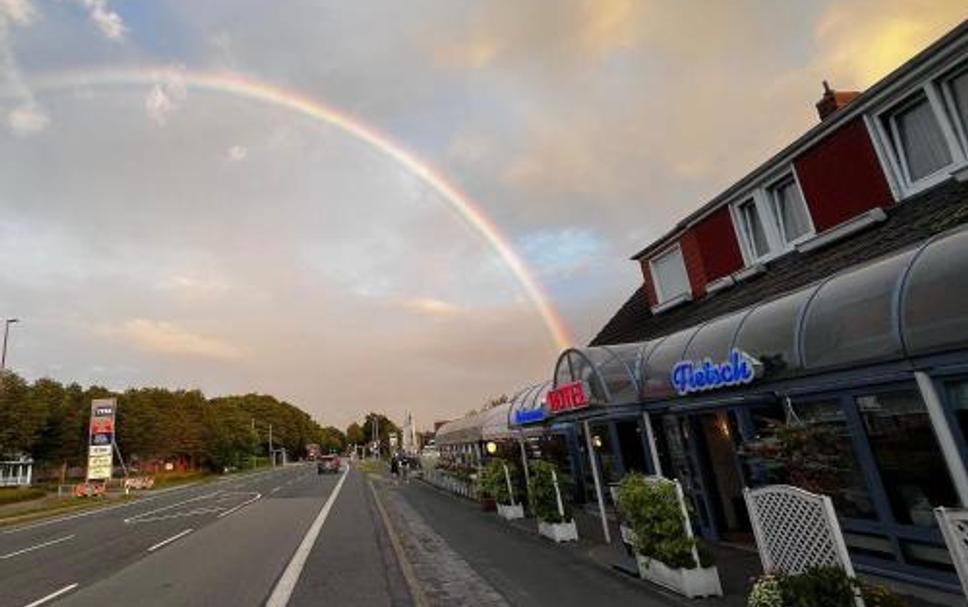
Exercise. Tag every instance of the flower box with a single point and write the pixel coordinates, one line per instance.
(692, 583)
(510, 512)
(559, 532)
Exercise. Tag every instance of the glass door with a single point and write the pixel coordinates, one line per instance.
(686, 449)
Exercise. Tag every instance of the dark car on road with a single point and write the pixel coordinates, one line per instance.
(327, 464)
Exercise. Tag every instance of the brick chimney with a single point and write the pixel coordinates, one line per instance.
(833, 100)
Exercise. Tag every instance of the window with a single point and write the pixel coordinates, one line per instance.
(789, 210)
(956, 93)
(669, 274)
(754, 233)
(907, 454)
(918, 140)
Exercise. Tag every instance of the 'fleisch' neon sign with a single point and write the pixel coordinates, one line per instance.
(739, 369)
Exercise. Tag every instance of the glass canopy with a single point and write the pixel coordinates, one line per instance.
(608, 371)
(910, 303)
(527, 406)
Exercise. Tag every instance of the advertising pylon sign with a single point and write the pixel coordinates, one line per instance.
(100, 450)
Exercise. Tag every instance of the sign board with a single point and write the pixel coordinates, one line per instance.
(567, 397)
(100, 450)
(738, 369)
(528, 417)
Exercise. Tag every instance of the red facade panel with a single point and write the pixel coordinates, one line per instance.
(841, 176)
(717, 242)
(692, 256)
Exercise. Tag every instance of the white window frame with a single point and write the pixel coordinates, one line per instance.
(944, 84)
(662, 298)
(887, 142)
(764, 202)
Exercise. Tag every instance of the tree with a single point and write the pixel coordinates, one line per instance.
(22, 416)
(355, 434)
(384, 428)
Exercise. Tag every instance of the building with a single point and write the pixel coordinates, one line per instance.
(808, 325)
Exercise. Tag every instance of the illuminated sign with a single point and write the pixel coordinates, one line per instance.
(567, 397)
(100, 455)
(528, 417)
(739, 369)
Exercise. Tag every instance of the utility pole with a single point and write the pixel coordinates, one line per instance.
(272, 456)
(6, 333)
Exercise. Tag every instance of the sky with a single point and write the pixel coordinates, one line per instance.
(159, 227)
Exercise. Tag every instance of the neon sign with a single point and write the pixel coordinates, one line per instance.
(739, 369)
(528, 417)
(567, 397)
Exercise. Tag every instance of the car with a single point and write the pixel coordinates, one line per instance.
(328, 464)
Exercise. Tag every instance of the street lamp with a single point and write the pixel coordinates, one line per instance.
(6, 332)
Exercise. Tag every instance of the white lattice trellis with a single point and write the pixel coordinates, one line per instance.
(796, 530)
(954, 528)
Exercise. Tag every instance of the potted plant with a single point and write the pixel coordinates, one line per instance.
(818, 587)
(500, 477)
(554, 520)
(665, 550)
(484, 489)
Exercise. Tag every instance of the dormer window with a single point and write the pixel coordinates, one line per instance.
(956, 96)
(917, 139)
(669, 275)
(790, 210)
(771, 220)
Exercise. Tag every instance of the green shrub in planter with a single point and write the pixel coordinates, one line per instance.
(818, 587)
(653, 512)
(544, 503)
(492, 480)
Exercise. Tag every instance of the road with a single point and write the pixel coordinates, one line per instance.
(290, 537)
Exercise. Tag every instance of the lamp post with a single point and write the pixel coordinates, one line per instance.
(6, 332)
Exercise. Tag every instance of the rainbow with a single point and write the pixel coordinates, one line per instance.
(263, 92)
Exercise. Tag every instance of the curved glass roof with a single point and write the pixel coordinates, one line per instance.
(527, 406)
(608, 371)
(934, 302)
(910, 303)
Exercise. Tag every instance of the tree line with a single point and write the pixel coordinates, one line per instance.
(49, 421)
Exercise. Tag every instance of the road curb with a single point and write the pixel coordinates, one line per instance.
(416, 591)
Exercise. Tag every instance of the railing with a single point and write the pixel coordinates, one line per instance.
(442, 480)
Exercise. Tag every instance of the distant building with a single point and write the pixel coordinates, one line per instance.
(410, 440)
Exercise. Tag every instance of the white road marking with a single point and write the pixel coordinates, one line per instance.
(32, 548)
(245, 503)
(53, 595)
(287, 582)
(142, 515)
(169, 540)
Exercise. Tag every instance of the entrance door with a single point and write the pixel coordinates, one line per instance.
(686, 456)
(723, 471)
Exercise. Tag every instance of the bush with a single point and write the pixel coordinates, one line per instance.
(544, 502)
(818, 587)
(18, 494)
(492, 482)
(655, 516)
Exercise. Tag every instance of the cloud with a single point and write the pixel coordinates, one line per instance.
(237, 152)
(27, 119)
(167, 95)
(430, 306)
(108, 21)
(561, 253)
(169, 338)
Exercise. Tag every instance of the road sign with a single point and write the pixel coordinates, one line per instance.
(100, 454)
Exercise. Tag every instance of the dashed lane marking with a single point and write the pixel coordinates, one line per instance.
(38, 546)
(169, 540)
(52, 595)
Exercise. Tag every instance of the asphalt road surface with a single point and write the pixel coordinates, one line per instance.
(291, 537)
(233, 542)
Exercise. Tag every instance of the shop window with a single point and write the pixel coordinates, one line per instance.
(927, 555)
(876, 546)
(669, 275)
(789, 210)
(810, 446)
(907, 454)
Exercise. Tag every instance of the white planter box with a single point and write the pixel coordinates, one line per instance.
(559, 532)
(691, 583)
(509, 512)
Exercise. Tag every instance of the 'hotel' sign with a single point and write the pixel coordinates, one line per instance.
(567, 397)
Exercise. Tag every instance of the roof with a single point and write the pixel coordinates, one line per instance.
(910, 222)
(951, 43)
